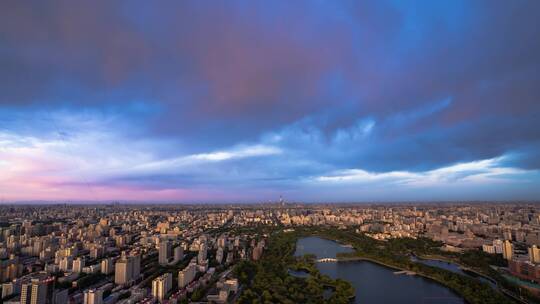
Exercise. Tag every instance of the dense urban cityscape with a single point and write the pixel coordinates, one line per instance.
(124, 253)
(270, 152)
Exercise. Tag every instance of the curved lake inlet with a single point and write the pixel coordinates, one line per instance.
(374, 283)
(453, 268)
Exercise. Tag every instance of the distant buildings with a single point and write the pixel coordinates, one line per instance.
(115, 240)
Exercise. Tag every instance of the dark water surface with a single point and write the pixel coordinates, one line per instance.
(299, 273)
(373, 283)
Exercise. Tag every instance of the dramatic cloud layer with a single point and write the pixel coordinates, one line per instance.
(247, 100)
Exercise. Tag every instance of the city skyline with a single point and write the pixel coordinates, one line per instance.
(201, 101)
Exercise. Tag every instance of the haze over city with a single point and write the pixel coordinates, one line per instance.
(239, 101)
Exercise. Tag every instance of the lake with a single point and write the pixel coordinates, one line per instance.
(374, 283)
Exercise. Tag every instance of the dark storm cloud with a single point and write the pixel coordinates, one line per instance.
(377, 85)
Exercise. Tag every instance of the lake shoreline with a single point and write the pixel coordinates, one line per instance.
(435, 288)
(440, 259)
(393, 267)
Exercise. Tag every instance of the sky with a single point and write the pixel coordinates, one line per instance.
(244, 101)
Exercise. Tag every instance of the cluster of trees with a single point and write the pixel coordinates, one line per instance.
(481, 260)
(268, 280)
(86, 280)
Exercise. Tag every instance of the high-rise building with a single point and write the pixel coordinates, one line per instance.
(78, 265)
(230, 257)
(10, 288)
(66, 263)
(122, 271)
(498, 244)
(508, 250)
(165, 252)
(60, 296)
(534, 254)
(202, 253)
(96, 252)
(127, 268)
(161, 286)
(26, 293)
(219, 255)
(178, 253)
(34, 292)
(106, 266)
(488, 248)
(186, 276)
(222, 241)
(136, 266)
(93, 296)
